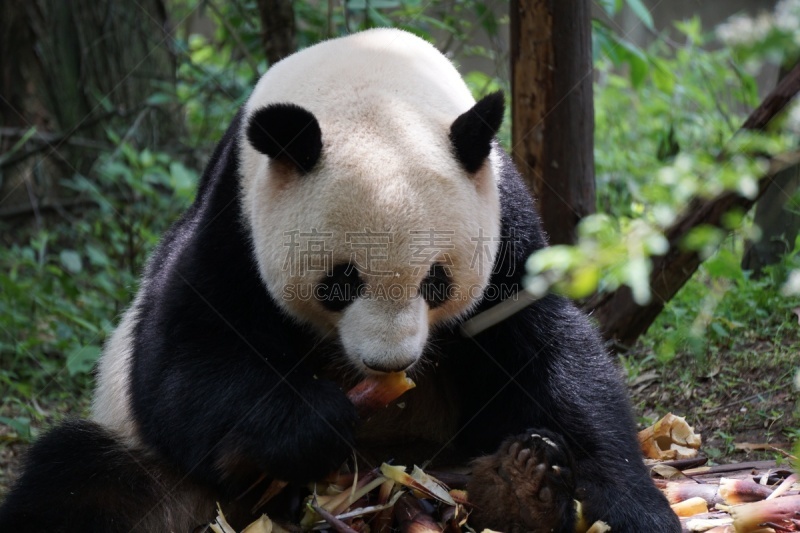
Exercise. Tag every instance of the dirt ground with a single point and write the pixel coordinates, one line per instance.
(744, 403)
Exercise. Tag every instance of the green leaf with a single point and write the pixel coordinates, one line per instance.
(81, 360)
(584, 281)
(157, 99)
(97, 256)
(724, 264)
(78, 320)
(719, 330)
(663, 77)
(20, 425)
(146, 158)
(611, 7)
(71, 260)
(703, 238)
(637, 60)
(182, 179)
(642, 12)
(691, 28)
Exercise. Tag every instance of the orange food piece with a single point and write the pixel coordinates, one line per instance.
(375, 392)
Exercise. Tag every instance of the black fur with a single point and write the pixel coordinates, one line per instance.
(80, 479)
(225, 387)
(472, 133)
(341, 287)
(288, 133)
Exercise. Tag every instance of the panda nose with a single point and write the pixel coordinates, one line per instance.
(387, 368)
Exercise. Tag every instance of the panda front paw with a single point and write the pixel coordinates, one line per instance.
(310, 437)
(526, 486)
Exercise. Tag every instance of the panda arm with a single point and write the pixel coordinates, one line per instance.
(219, 381)
(546, 368)
(222, 411)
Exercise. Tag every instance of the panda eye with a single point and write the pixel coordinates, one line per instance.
(436, 286)
(341, 287)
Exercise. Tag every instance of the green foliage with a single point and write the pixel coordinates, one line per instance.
(665, 134)
(64, 286)
(606, 256)
(658, 143)
(772, 37)
(722, 303)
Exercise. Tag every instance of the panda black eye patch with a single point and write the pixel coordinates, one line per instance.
(340, 288)
(436, 286)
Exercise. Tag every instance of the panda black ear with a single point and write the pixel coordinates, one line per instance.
(471, 134)
(286, 133)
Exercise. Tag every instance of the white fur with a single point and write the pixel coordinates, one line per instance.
(385, 101)
(384, 335)
(111, 405)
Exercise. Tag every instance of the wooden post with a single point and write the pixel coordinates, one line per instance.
(553, 109)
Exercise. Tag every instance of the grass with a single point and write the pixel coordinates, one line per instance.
(740, 395)
(729, 368)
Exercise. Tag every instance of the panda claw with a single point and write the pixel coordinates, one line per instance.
(521, 488)
(524, 455)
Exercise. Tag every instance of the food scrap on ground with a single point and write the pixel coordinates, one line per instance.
(758, 497)
(669, 438)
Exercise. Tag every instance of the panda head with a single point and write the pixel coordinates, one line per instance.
(374, 216)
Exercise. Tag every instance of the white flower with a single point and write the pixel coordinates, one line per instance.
(736, 30)
(787, 16)
(743, 29)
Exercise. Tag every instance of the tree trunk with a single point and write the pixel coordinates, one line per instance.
(621, 319)
(553, 109)
(277, 28)
(16, 41)
(77, 67)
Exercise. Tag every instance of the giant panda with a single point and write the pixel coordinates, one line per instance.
(356, 213)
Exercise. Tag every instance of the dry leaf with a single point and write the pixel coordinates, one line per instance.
(418, 481)
(262, 525)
